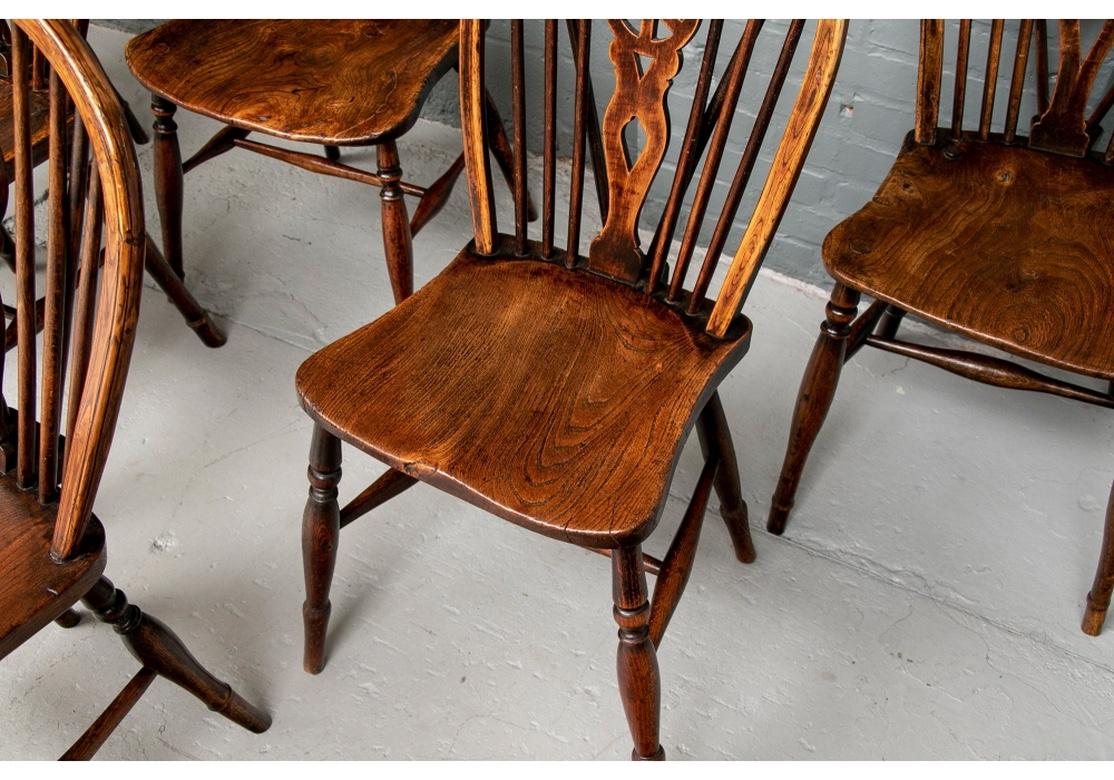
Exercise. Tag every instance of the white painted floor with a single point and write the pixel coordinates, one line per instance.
(924, 603)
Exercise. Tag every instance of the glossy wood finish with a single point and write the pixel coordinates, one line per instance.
(338, 83)
(34, 590)
(52, 549)
(556, 389)
(956, 227)
(323, 81)
(997, 235)
(597, 471)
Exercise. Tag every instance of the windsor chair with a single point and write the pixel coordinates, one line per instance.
(176, 291)
(555, 388)
(52, 546)
(332, 82)
(1001, 237)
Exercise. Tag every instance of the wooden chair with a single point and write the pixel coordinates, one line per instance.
(554, 388)
(986, 232)
(332, 82)
(52, 547)
(172, 285)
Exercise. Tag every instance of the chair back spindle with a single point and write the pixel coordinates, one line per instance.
(1062, 125)
(93, 201)
(645, 59)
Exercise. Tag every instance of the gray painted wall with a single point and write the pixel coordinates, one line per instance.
(868, 116)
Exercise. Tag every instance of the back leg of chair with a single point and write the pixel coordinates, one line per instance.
(157, 648)
(332, 153)
(320, 537)
(68, 619)
(1098, 600)
(168, 181)
(397, 240)
(715, 436)
(891, 319)
(818, 387)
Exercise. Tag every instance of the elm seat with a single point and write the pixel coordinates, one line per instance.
(40, 130)
(353, 87)
(35, 589)
(954, 226)
(595, 406)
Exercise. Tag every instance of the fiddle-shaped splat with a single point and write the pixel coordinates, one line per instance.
(639, 95)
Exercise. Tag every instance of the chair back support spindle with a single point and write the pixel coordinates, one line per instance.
(1068, 113)
(646, 58)
(93, 192)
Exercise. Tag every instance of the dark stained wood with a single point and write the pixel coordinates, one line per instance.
(52, 548)
(1098, 599)
(1017, 80)
(677, 564)
(395, 222)
(581, 106)
(645, 63)
(1002, 238)
(1035, 276)
(813, 400)
(518, 96)
(639, 679)
(320, 535)
(598, 339)
(733, 84)
(1063, 127)
(929, 74)
(990, 77)
(168, 181)
(553, 390)
(34, 590)
(90, 742)
(351, 87)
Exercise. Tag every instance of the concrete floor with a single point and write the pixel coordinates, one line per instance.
(924, 603)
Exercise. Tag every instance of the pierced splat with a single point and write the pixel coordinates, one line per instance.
(644, 69)
(1062, 127)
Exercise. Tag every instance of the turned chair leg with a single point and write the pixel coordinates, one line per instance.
(815, 397)
(637, 661)
(157, 648)
(68, 619)
(168, 181)
(396, 225)
(714, 435)
(1098, 600)
(891, 319)
(320, 536)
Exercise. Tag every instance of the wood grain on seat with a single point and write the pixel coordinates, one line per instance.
(1011, 246)
(555, 399)
(324, 81)
(40, 131)
(35, 589)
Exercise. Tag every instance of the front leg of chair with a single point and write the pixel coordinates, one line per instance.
(396, 224)
(320, 536)
(160, 650)
(637, 661)
(815, 397)
(715, 437)
(168, 181)
(1098, 600)
(332, 153)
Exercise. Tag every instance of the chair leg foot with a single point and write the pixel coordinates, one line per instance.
(636, 660)
(818, 386)
(320, 536)
(1098, 600)
(1093, 618)
(68, 619)
(157, 648)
